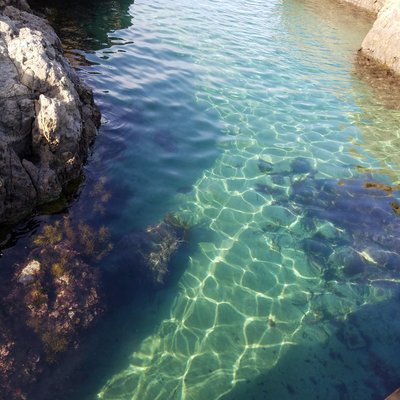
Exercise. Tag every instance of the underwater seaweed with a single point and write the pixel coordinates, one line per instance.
(88, 241)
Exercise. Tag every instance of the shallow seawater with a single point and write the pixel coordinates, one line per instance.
(246, 119)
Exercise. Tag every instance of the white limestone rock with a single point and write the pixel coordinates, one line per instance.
(48, 117)
(382, 42)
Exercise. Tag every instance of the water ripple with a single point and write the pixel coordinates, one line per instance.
(235, 115)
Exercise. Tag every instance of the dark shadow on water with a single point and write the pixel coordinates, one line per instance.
(9, 237)
(358, 360)
(85, 25)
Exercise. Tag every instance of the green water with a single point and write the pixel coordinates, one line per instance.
(247, 120)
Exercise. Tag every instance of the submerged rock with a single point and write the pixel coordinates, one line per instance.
(352, 336)
(395, 395)
(48, 117)
(267, 189)
(29, 272)
(264, 166)
(61, 297)
(363, 213)
(52, 298)
(145, 255)
(300, 165)
(348, 263)
(317, 250)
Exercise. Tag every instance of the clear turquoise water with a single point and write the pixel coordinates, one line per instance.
(243, 117)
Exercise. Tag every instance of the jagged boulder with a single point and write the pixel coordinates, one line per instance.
(48, 117)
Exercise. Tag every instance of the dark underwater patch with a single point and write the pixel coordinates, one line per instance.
(166, 141)
(184, 189)
(363, 214)
(317, 250)
(300, 165)
(266, 189)
(264, 167)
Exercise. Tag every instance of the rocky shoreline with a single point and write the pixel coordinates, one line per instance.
(57, 290)
(49, 118)
(382, 42)
(381, 46)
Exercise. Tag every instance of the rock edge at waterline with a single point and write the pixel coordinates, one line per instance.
(48, 117)
(382, 43)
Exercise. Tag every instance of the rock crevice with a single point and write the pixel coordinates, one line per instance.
(48, 117)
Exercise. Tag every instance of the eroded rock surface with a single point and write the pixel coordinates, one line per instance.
(48, 117)
(382, 42)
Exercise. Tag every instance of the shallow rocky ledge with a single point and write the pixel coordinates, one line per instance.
(382, 43)
(48, 117)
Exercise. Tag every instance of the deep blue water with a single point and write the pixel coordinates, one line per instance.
(247, 120)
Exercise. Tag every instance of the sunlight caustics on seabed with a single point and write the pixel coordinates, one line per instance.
(291, 121)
